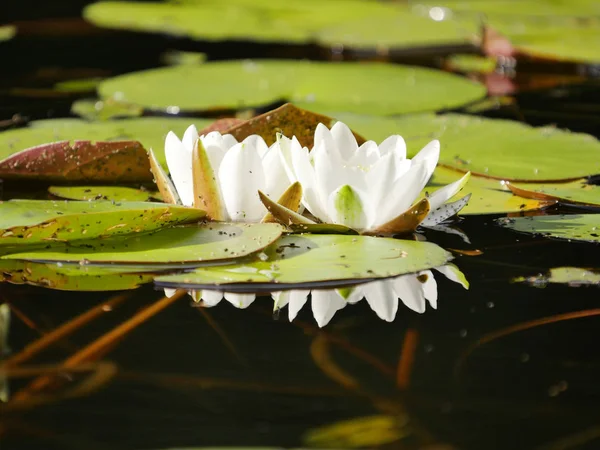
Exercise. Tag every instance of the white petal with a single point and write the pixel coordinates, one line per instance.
(430, 154)
(365, 156)
(211, 298)
(344, 140)
(346, 206)
(179, 161)
(240, 300)
(356, 294)
(430, 287)
(382, 298)
(258, 143)
(410, 291)
(298, 298)
(329, 173)
(276, 178)
(380, 180)
(241, 176)
(442, 195)
(404, 192)
(323, 134)
(170, 292)
(395, 145)
(189, 137)
(229, 141)
(284, 148)
(306, 176)
(453, 273)
(325, 303)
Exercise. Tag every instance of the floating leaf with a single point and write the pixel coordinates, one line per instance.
(35, 221)
(576, 227)
(298, 259)
(150, 131)
(573, 276)
(71, 278)
(104, 110)
(78, 86)
(368, 88)
(122, 161)
(112, 193)
(577, 192)
(488, 196)
(182, 246)
(495, 148)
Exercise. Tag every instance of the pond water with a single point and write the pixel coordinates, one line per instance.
(503, 364)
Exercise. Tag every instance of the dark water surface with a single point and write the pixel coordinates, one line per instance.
(502, 365)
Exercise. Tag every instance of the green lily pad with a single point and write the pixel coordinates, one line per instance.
(488, 196)
(78, 85)
(111, 193)
(38, 221)
(576, 227)
(495, 148)
(577, 192)
(368, 88)
(104, 110)
(521, 9)
(295, 260)
(182, 246)
(260, 20)
(71, 278)
(471, 63)
(150, 131)
(7, 32)
(572, 276)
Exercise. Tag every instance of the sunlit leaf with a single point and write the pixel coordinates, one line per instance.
(577, 192)
(183, 246)
(576, 227)
(572, 276)
(71, 277)
(112, 193)
(104, 110)
(36, 221)
(376, 88)
(488, 196)
(298, 259)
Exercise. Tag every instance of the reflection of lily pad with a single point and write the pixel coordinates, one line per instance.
(577, 192)
(295, 259)
(579, 227)
(573, 276)
(70, 278)
(491, 147)
(369, 88)
(112, 193)
(35, 221)
(488, 196)
(6, 32)
(150, 131)
(189, 246)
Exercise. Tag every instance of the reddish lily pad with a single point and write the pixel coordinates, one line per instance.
(288, 120)
(119, 161)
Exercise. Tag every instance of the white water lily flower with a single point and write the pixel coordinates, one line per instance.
(368, 186)
(240, 170)
(383, 296)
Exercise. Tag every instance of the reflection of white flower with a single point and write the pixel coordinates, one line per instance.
(368, 186)
(240, 170)
(383, 296)
(4, 326)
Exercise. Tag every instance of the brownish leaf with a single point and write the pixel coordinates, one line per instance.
(405, 222)
(287, 120)
(118, 161)
(222, 125)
